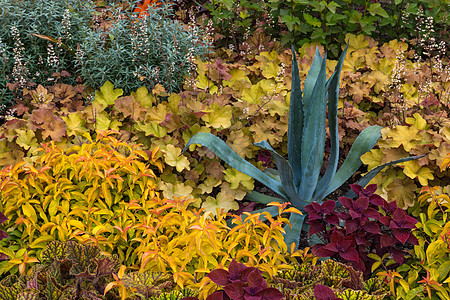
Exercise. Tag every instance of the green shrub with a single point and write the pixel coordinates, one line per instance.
(151, 50)
(27, 58)
(326, 22)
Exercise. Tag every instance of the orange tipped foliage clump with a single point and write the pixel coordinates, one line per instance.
(103, 193)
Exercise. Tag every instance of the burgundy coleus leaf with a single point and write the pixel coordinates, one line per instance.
(412, 240)
(372, 227)
(377, 200)
(255, 283)
(235, 290)
(315, 227)
(346, 202)
(219, 277)
(343, 246)
(332, 219)
(364, 192)
(269, 294)
(358, 207)
(322, 292)
(401, 220)
(385, 220)
(351, 226)
(387, 240)
(398, 255)
(218, 295)
(318, 211)
(3, 218)
(235, 270)
(401, 235)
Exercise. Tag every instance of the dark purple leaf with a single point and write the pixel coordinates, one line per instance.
(218, 295)
(270, 294)
(412, 240)
(219, 276)
(377, 200)
(346, 202)
(315, 227)
(372, 213)
(350, 254)
(235, 290)
(322, 292)
(401, 235)
(234, 271)
(398, 255)
(255, 282)
(387, 240)
(332, 219)
(3, 218)
(372, 227)
(351, 226)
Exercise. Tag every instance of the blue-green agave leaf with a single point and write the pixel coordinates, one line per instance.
(292, 235)
(228, 155)
(286, 175)
(333, 100)
(262, 198)
(314, 134)
(372, 173)
(365, 141)
(295, 126)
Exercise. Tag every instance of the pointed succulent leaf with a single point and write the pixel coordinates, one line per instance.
(363, 143)
(295, 126)
(224, 152)
(333, 100)
(314, 133)
(293, 234)
(372, 173)
(286, 175)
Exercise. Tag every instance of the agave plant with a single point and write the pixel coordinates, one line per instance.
(298, 180)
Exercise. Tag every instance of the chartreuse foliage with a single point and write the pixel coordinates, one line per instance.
(243, 102)
(103, 193)
(427, 275)
(94, 193)
(299, 180)
(345, 282)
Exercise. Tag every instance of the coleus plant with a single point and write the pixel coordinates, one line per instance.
(241, 282)
(298, 180)
(371, 226)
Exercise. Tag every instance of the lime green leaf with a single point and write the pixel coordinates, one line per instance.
(204, 83)
(218, 116)
(270, 70)
(417, 121)
(413, 169)
(106, 96)
(222, 200)
(29, 211)
(254, 94)
(234, 177)
(173, 158)
(151, 129)
(76, 124)
(144, 97)
(26, 139)
(103, 122)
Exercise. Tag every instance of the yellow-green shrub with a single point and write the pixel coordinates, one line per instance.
(426, 275)
(102, 192)
(92, 192)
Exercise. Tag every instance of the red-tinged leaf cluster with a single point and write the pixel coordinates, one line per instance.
(371, 225)
(241, 282)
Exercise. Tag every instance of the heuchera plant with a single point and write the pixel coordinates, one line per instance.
(371, 225)
(241, 282)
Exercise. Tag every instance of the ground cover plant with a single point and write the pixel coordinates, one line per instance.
(152, 207)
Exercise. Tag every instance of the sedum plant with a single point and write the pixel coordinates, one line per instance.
(298, 180)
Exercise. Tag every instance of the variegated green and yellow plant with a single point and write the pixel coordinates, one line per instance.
(299, 180)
